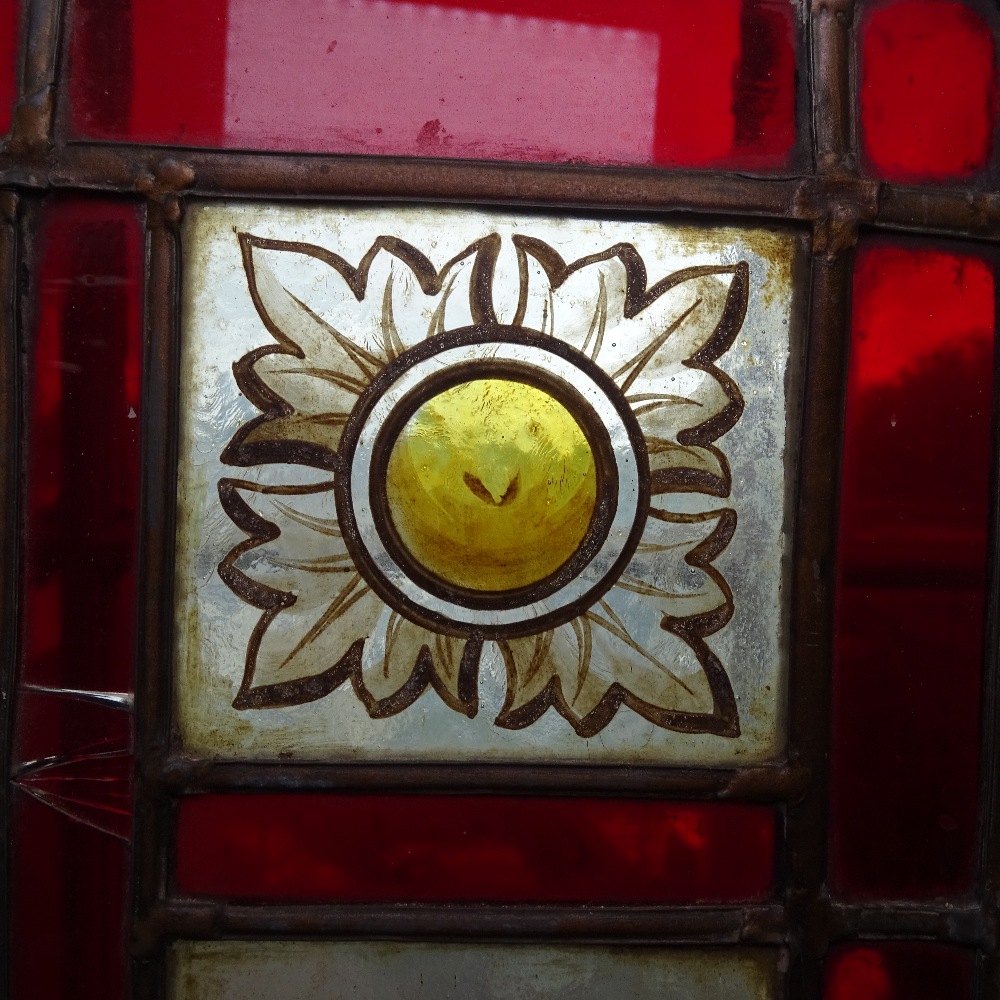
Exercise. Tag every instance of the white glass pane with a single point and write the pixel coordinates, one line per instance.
(463, 485)
(293, 970)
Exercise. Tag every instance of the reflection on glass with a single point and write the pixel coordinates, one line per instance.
(491, 485)
(538, 80)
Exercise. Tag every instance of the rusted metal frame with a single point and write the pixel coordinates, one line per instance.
(34, 123)
(812, 583)
(10, 448)
(747, 924)
(959, 924)
(778, 783)
(154, 171)
(159, 456)
(756, 924)
(831, 64)
(237, 173)
(811, 639)
(939, 212)
(988, 970)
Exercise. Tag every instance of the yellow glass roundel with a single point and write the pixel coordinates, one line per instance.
(491, 485)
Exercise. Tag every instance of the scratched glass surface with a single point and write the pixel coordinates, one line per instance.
(294, 970)
(458, 484)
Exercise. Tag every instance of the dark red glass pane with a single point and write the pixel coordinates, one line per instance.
(928, 90)
(307, 847)
(69, 898)
(55, 726)
(82, 403)
(899, 972)
(10, 11)
(542, 80)
(911, 578)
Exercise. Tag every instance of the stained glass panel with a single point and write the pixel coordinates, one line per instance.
(538, 80)
(460, 848)
(912, 576)
(476, 484)
(71, 748)
(928, 90)
(10, 12)
(898, 970)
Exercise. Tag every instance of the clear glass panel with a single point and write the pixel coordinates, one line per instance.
(928, 90)
(535, 465)
(431, 848)
(670, 83)
(293, 970)
(914, 532)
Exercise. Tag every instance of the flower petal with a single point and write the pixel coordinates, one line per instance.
(581, 309)
(672, 565)
(658, 343)
(587, 668)
(336, 326)
(312, 343)
(698, 308)
(685, 397)
(301, 654)
(659, 671)
(295, 568)
(298, 547)
(401, 658)
(549, 666)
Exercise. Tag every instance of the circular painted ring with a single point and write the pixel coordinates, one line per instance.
(607, 422)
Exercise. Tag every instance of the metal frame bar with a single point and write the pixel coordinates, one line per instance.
(833, 200)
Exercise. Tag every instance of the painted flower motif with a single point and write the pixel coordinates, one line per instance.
(490, 475)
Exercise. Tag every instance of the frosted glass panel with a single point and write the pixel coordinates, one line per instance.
(463, 484)
(293, 970)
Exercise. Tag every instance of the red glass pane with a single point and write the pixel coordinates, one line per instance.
(10, 11)
(69, 899)
(56, 726)
(911, 579)
(82, 389)
(928, 90)
(539, 80)
(307, 847)
(899, 972)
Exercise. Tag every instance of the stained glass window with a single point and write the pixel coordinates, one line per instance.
(500, 498)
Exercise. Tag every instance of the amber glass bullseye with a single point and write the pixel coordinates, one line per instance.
(491, 485)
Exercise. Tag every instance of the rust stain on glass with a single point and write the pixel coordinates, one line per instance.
(460, 482)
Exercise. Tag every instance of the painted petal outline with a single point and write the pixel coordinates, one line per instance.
(695, 464)
(311, 437)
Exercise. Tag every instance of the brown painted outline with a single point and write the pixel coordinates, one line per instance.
(428, 348)
(597, 438)
(272, 602)
(241, 452)
(692, 630)
(639, 297)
